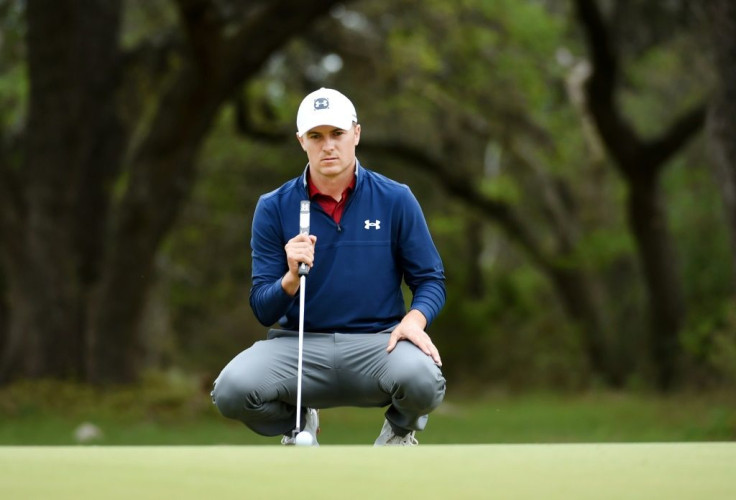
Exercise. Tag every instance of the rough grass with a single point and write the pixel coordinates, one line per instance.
(171, 409)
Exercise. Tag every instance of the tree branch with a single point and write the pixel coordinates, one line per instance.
(463, 188)
(631, 152)
(267, 37)
(246, 127)
(660, 150)
(554, 198)
(203, 27)
(150, 55)
(618, 135)
(229, 56)
(604, 58)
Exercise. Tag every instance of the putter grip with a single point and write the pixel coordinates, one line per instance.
(304, 229)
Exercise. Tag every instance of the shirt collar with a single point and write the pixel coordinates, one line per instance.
(313, 191)
(305, 174)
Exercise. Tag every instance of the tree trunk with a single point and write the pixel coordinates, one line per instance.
(70, 145)
(581, 301)
(661, 274)
(162, 177)
(722, 111)
(640, 164)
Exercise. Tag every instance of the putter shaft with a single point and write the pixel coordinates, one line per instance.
(302, 285)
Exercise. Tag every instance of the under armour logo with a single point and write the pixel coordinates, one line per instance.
(321, 103)
(369, 224)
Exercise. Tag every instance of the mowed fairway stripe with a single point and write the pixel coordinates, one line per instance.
(549, 471)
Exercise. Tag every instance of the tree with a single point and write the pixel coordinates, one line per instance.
(640, 162)
(471, 95)
(95, 180)
(721, 17)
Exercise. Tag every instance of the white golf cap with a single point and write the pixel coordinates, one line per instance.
(325, 107)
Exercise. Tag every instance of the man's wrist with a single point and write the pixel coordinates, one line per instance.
(416, 316)
(290, 283)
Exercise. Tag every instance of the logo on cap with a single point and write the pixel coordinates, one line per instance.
(321, 103)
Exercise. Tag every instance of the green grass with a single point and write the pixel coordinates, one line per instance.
(177, 413)
(550, 471)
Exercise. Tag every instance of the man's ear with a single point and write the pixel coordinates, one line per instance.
(301, 141)
(356, 129)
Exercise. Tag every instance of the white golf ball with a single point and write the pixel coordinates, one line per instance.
(304, 438)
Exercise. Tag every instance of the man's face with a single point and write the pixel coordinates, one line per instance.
(330, 150)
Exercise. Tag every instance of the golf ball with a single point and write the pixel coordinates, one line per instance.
(304, 438)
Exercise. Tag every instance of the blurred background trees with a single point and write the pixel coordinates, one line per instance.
(575, 160)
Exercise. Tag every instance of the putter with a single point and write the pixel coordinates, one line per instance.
(303, 272)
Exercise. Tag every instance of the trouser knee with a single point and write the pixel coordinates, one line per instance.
(230, 397)
(426, 393)
(420, 385)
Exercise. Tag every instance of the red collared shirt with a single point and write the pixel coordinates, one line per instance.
(331, 206)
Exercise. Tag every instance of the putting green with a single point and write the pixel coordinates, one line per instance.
(550, 471)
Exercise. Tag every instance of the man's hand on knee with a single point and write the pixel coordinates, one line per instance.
(411, 328)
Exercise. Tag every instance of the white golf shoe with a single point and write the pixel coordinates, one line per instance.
(311, 425)
(388, 437)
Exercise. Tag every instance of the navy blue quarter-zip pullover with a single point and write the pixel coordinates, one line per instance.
(355, 283)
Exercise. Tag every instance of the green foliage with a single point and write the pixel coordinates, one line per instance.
(697, 219)
(13, 77)
(602, 247)
(710, 341)
(13, 97)
(512, 334)
(664, 83)
(454, 78)
(501, 188)
(457, 80)
(144, 20)
(161, 396)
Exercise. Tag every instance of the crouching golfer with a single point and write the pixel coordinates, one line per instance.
(361, 347)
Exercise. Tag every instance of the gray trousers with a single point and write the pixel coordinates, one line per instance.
(258, 387)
